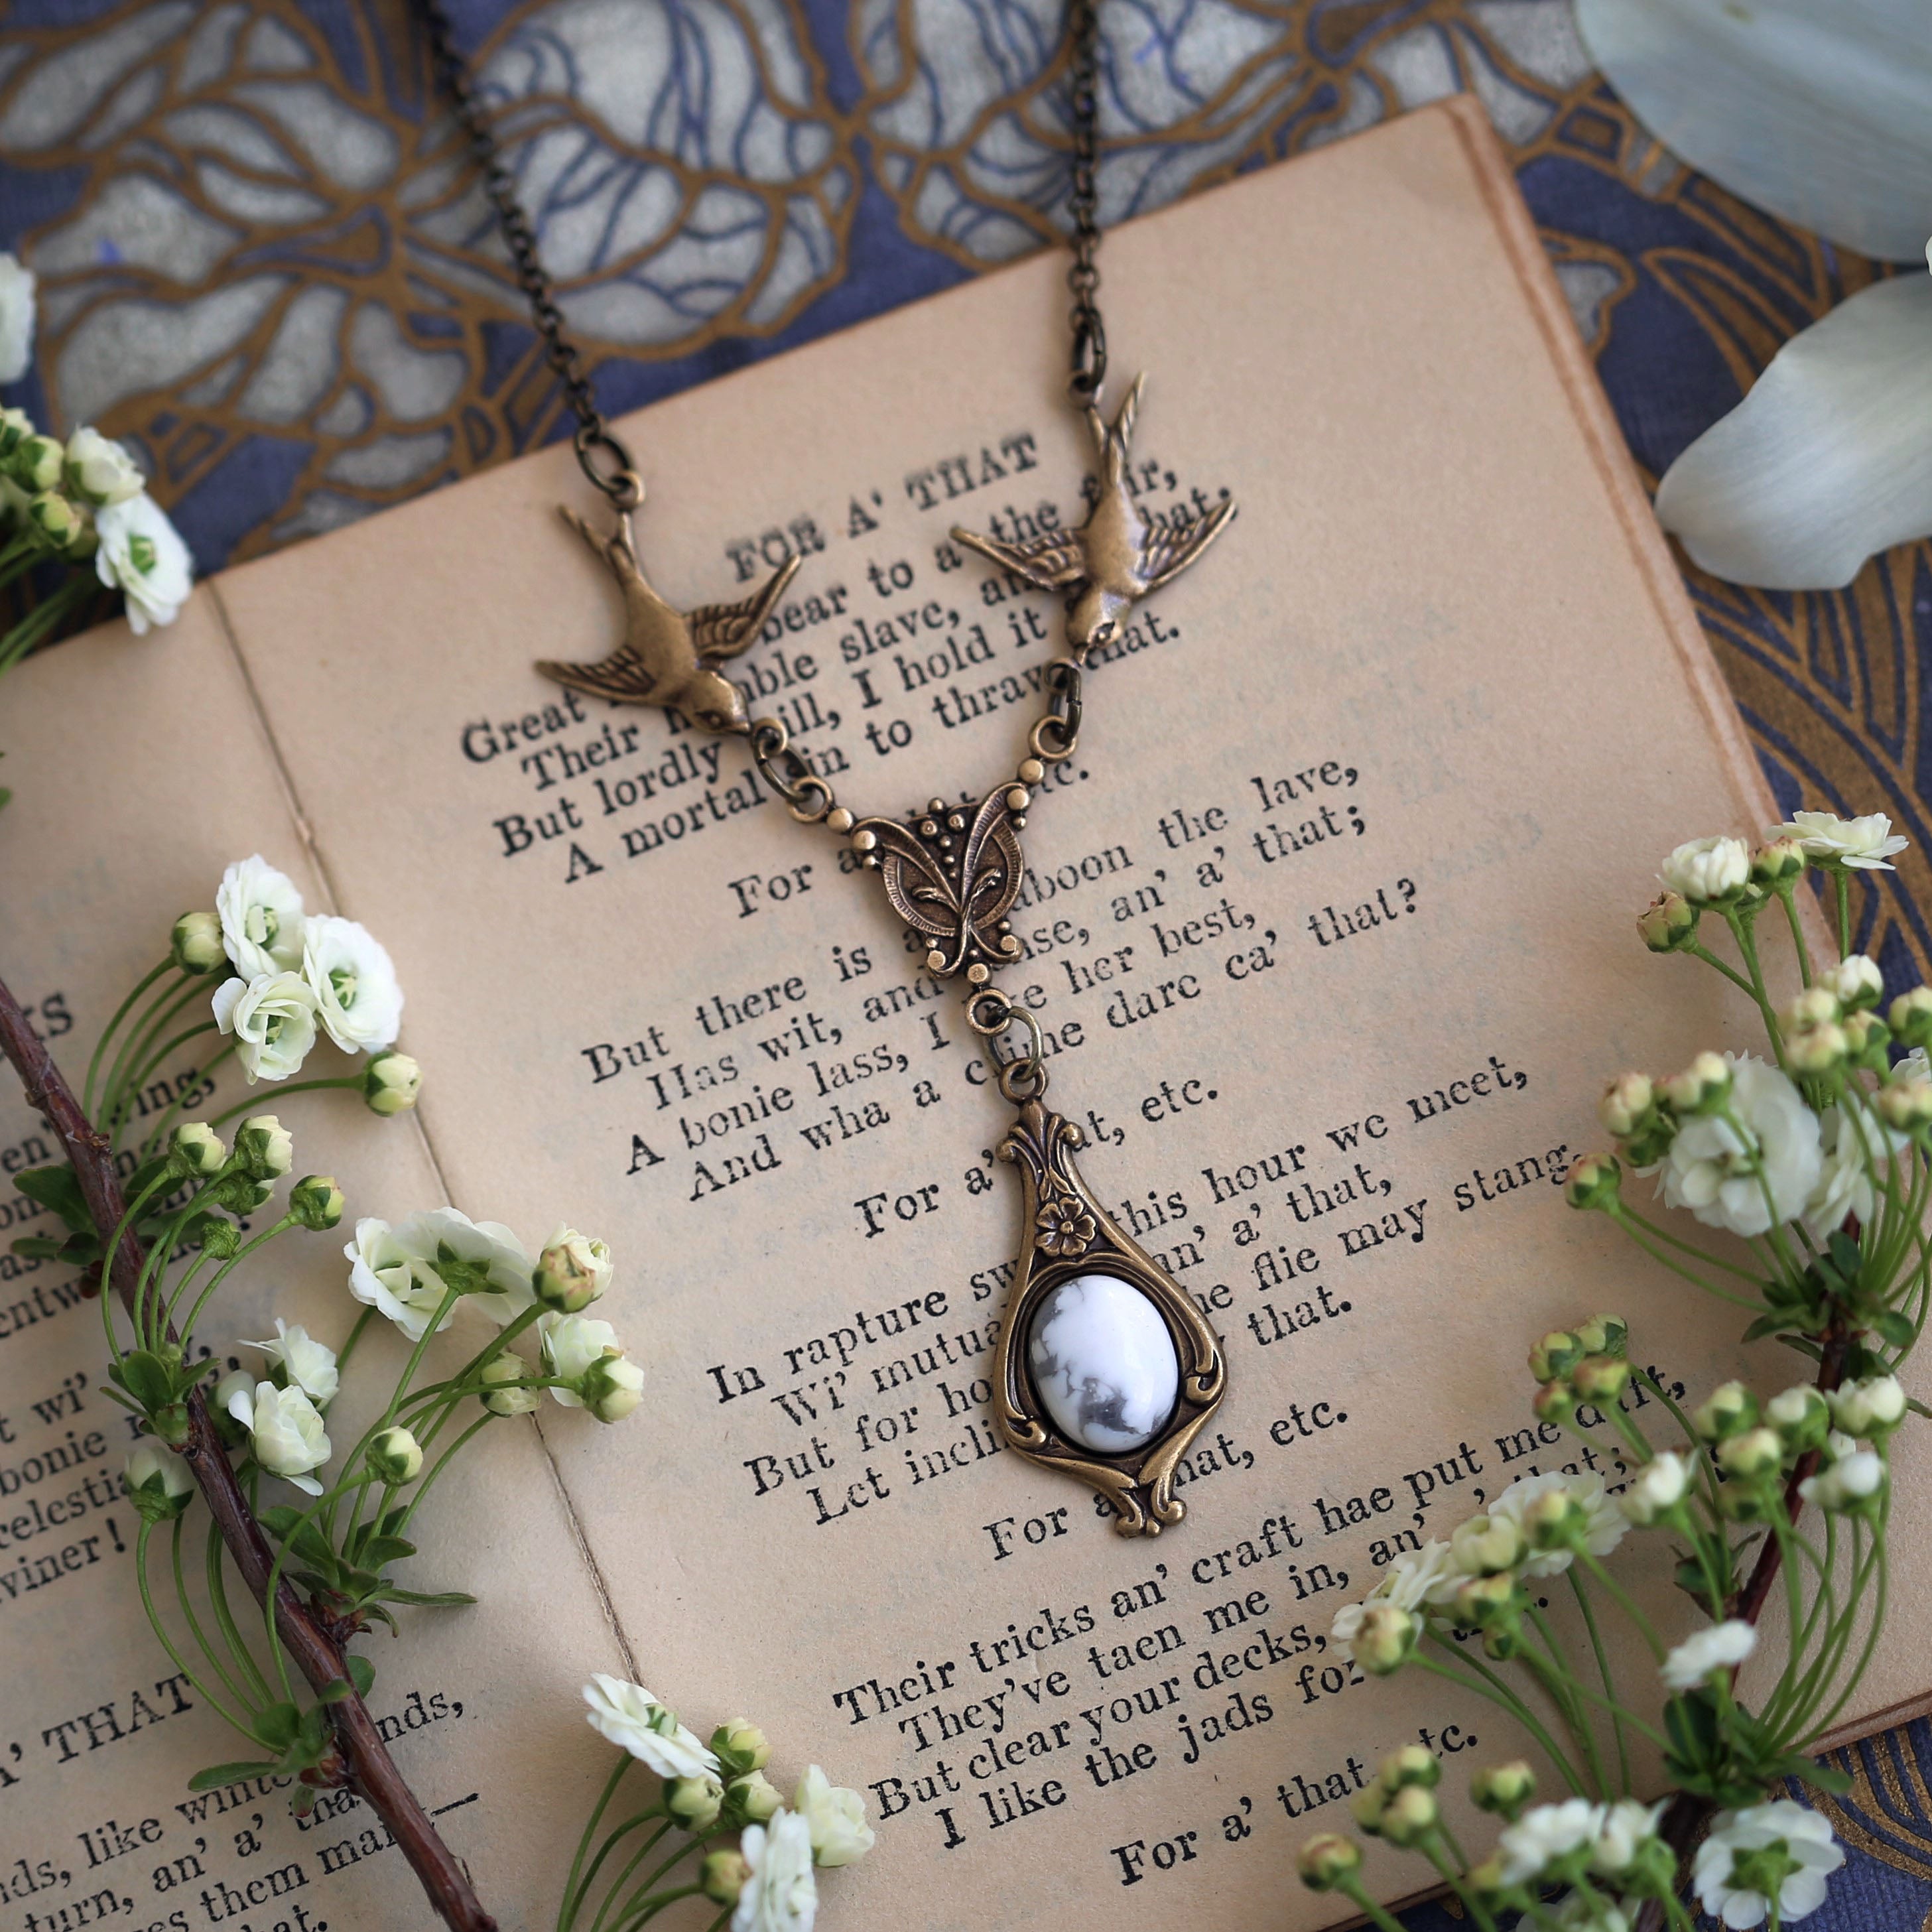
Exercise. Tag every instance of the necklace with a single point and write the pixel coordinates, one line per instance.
(1104, 1369)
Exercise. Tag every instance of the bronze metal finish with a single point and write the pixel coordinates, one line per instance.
(952, 874)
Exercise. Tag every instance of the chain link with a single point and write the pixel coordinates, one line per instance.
(788, 771)
(604, 459)
(1089, 366)
(989, 1013)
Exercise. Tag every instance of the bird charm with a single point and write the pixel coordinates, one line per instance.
(670, 657)
(1118, 555)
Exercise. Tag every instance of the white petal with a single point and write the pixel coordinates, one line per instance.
(1829, 458)
(1815, 112)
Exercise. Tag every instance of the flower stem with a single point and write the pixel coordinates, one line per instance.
(113, 1026)
(566, 1904)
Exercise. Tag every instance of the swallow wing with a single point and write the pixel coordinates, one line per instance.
(1169, 547)
(1054, 560)
(621, 677)
(723, 630)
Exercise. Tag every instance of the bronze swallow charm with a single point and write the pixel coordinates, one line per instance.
(670, 657)
(1118, 555)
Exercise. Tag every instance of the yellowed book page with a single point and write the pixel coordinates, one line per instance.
(139, 769)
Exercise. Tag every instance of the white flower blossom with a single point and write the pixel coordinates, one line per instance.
(142, 554)
(354, 984)
(570, 1343)
(289, 1437)
(836, 1817)
(388, 1278)
(17, 318)
(1719, 1647)
(1704, 869)
(1865, 844)
(1622, 1828)
(1844, 1185)
(781, 1895)
(1544, 1834)
(1850, 1480)
(272, 1018)
(628, 1714)
(1430, 1575)
(1856, 980)
(261, 915)
(1607, 1524)
(1869, 1407)
(1661, 1484)
(309, 1364)
(1804, 1838)
(101, 469)
(1711, 1170)
(483, 1261)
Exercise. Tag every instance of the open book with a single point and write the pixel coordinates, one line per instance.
(1330, 924)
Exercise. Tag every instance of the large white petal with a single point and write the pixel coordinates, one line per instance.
(1829, 458)
(1819, 111)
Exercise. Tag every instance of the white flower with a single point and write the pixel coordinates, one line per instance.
(385, 1275)
(572, 1271)
(483, 1261)
(289, 1438)
(1580, 1912)
(16, 319)
(781, 1895)
(1621, 1829)
(354, 984)
(1607, 1525)
(101, 470)
(1661, 1485)
(1851, 1479)
(1724, 1183)
(1345, 1627)
(1544, 1834)
(1870, 1407)
(261, 915)
(1856, 981)
(1804, 1838)
(571, 1344)
(1704, 869)
(310, 1365)
(141, 553)
(1430, 1575)
(1717, 1648)
(1844, 1185)
(1864, 843)
(836, 1817)
(272, 1018)
(628, 1714)
(157, 1479)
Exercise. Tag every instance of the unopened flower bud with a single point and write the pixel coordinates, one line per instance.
(1626, 1102)
(99, 470)
(1388, 1635)
(1816, 1006)
(15, 424)
(1668, 924)
(1556, 1355)
(1867, 1037)
(1504, 1789)
(156, 1481)
(750, 1800)
(199, 1152)
(1911, 1016)
(265, 1147)
(499, 1400)
(1818, 1049)
(1485, 1601)
(1853, 1485)
(1592, 1181)
(1367, 1807)
(1712, 871)
(1555, 1402)
(1410, 1815)
(56, 519)
(1487, 1881)
(1600, 1378)
(1328, 1860)
(220, 1405)
(215, 1235)
(1730, 1410)
(612, 1386)
(1756, 1454)
(195, 945)
(1603, 1334)
(740, 1746)
(1703, 1086)
(395, 1457)
(1556, 1520)
(572, 1271)
(695, 1802)
(1412, 1764)
(390, 1082)
(317, 1202)
(1906, 1104)
(37, 463)
(1777, 861)
(1874, 1407)
(723, 1875)
(1802, 1417)
(1856, 981)
(1486, 1544)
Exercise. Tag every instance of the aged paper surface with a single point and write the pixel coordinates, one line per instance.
(1327, 927)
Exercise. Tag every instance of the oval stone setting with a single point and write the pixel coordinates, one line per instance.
(1104, 1363)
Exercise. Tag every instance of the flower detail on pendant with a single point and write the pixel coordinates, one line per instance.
(1065, 1226)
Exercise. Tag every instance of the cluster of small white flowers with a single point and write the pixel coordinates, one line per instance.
(1604, 1840)
(297, 974)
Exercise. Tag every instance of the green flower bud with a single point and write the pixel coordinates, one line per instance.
(1777, 862)
(15, 425)
(1555, 1355)
(195, 945)
(1485, 1603)
(1869, 1408)
(695, 1802)
(1911, 1016)
(37, 463)
(1627, 1103)
(1755, 1455)
(158, 1482)
(1730, 1410)
(612, 1386)
(1367, 1807)
(740, 1746)
(1487, 1881)
(750, 1800)
(572, 1271)
(723, 1875)
(1554, 1402)
(1410, 1815)
(1412, 1764)
(1818, 1049)
(1485, 1546)
(214, 1234)
(1593, 1181)
(1816, 1006)
(499, 1400)
(317, 1202)
(1328, 1860)
(265, 1147)
(1702, 1087)
(1906, 1103)
(1802, 1417)
(1504, 1789)
(199, 1153)
(1600, 1378)
(1867, 1037)
(395, 1457)
(1603, 1334)
(1669, 923)
(1387, 1638)
(390, 1082)
(1556, 1520)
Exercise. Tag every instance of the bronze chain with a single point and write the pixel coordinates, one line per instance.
(1089, 368)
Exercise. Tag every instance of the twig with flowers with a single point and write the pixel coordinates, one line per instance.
(1818, 1161)
(164, 1220)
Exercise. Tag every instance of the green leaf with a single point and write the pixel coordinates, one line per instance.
(1803, 1347)
(146, 1378)
(1827, 1778)
(377, 1610)
(216, 1775)
(1845, 1254)
(438, 1599)
(278, 1726)
(1765, 1325)
(380, 1550)
(1894, 1327)
(59, 1189)
(362, 1674)
(38, 1248)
